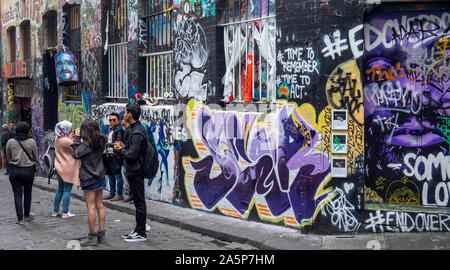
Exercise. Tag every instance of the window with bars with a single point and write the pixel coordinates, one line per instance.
(49, 25)
(117, 49)
(249, 46)
(156, 36)
(73, 93)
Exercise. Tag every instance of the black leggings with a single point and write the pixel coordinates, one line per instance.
(22, 179)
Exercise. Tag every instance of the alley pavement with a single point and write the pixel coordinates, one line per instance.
(178, 228)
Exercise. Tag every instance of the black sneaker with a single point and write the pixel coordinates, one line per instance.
(124, 236)
(135, 237)
(20, 222)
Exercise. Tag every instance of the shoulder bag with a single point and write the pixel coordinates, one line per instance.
(28, 155)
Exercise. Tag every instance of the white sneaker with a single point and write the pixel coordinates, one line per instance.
(55, 214)
(67, 215)
(147, 228)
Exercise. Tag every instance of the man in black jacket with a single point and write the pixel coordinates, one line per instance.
(112, 161)
(133, 153)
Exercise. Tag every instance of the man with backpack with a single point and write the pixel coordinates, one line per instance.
(134, 154)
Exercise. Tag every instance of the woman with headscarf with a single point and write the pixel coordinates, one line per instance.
(66, 167)
(21, 153)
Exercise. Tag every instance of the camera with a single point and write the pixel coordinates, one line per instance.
(109, 149)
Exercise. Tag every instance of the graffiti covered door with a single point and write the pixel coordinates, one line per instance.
(406, 102)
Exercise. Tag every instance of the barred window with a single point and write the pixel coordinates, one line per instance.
(117, 49)
(157, 38)
(249, 44)
(49, 25)
(73, 31)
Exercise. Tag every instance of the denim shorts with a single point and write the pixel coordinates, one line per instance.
(97, 186)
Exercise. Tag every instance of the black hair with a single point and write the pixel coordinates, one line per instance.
(90, 133)
(115, 114)
(22, 128)
(135, 110)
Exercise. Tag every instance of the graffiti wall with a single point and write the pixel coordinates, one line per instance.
(159, 123)
(247, 162)
(406, 82)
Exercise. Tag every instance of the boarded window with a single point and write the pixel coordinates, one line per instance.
(25, 44)
(11, 44)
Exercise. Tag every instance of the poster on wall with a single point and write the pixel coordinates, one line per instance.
(339, 143)
(338, 167)
(339, 120)
(66, 69)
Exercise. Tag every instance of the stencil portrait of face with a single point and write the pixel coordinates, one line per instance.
(65, 67)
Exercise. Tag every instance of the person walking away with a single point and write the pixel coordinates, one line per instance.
(88, 146)
(7, 134)
(125, 138)
(112, 161)
(3, 142)
(132, 152)
(22, 156)
(66, 166)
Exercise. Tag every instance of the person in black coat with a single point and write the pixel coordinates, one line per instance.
(132, 152)
(113, 161)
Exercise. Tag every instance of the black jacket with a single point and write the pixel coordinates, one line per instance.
(134, 149)
(118, 134)
(6, 135)
(91, 170)
(113, 164)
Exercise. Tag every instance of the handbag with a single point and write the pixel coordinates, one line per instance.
(28, 155)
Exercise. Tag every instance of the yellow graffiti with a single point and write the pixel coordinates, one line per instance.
(10, 93)
(371, 195)
(405, 192)
(71, 111)
(344, 90)
(442, 44)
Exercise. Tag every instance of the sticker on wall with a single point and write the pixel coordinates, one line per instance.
(339, 120)
(338, 167)
(339, 142)
(66, 69)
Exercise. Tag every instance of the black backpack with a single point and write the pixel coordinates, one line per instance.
(150, 163)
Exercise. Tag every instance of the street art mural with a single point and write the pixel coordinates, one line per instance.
(159, 123)
(191, 54)
(273, 164)
(91, 36)
(72, 111)
(406, 102)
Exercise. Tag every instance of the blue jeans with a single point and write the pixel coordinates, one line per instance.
(64, 190)
(112, 184)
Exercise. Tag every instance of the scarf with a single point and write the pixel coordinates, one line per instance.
(62, 129)
(21, 137)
